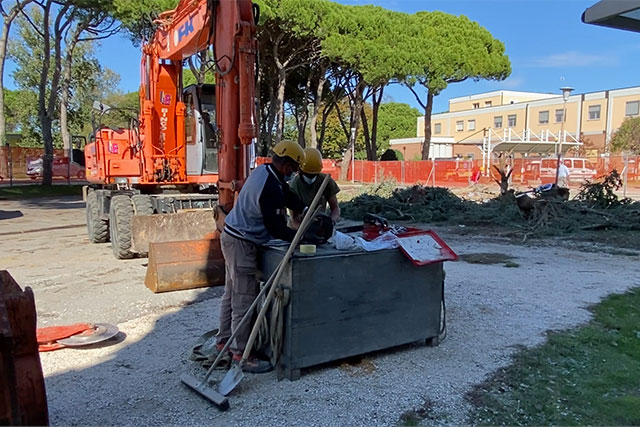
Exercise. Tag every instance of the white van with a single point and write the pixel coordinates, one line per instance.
(579, 169)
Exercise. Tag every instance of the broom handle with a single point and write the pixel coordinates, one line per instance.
(301, 230)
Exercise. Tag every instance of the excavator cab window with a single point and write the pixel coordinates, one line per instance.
(200, 129)
(208, 112)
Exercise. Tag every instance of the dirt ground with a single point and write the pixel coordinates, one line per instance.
(492, 310)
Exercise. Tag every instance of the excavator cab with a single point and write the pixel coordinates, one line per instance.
(201, 135)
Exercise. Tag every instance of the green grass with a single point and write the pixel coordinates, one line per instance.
(37, 190)
(583, 376)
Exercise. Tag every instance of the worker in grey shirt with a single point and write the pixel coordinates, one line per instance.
(257, 217)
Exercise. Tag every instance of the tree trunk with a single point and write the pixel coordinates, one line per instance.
(316, 107)
(365, 133)
(64, 102)
(376, 101)
(323, 124)
(303, 116)
(271, 118)
(4, 38)
(427, 126)
(3, 54)
(282, 81)
(46, 107)
(45, 120)
(355, 123)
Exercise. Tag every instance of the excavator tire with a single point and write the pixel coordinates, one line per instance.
(120, 214)
(142, 206)
(97, 228)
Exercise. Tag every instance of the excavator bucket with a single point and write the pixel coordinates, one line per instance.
(184, 248)
(194, 224)
(186, 264)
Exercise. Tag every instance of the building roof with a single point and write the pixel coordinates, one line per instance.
(537, 95)
(620, 14)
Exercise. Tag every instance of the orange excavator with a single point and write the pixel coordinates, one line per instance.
(159, 186)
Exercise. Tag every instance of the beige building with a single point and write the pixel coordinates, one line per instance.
(531, 123)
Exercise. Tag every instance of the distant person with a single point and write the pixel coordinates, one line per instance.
(309, 180)
(475, 175)
(563, 176)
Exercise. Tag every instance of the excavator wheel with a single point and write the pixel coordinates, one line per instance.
(97, 228)
(142, 206)
(120, 214)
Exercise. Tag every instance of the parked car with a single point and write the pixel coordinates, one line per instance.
(60, 167)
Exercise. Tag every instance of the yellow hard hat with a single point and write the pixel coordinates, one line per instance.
(313, 161)
(291, 150)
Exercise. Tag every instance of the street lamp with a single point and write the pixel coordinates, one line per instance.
(566, 92)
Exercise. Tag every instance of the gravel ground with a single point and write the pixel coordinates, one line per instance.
(492, 310)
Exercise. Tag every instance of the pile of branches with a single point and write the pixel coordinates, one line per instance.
(596, 207)
(431, 204)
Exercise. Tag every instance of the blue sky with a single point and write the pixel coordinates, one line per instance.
(547, 43)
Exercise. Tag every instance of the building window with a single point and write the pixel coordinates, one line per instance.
(543, 117)
(487, 103)
(632, 108)
(460, 125)
(471, 125)
(594, 112)
(476, 105)
(497, 122)
(559, 116)
(512, 120)
(437, 128)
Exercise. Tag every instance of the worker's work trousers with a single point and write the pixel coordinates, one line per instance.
(563, 182)
(240, 289)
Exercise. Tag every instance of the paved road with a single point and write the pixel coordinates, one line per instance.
(73, 279)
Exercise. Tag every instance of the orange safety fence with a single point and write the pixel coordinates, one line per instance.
(460, 172)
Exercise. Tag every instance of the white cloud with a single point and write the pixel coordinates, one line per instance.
(572, 59)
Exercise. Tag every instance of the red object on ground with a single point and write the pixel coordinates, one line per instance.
(48, 336)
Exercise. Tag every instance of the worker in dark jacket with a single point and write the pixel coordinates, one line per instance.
(258, 216)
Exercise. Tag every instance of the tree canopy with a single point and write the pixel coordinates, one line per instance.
(627, 137)
(322, 72)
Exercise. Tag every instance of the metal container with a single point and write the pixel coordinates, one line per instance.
(345, 303)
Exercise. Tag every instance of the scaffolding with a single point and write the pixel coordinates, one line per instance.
(526, 142)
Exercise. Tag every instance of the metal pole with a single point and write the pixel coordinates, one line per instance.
(353, 154)
(566, 91)
(624, 176)
(487, 172)
(564, 115)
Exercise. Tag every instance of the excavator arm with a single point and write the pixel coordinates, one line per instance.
(228, 28)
